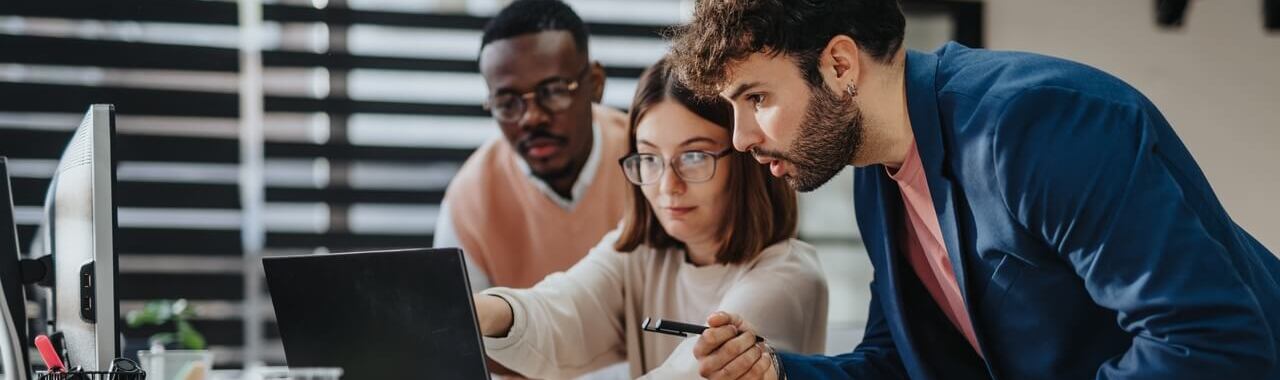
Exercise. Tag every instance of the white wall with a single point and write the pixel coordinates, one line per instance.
(1217, 80)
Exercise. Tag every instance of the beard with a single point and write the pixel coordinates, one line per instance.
(830, 135)
(543, 171)
(554, 174)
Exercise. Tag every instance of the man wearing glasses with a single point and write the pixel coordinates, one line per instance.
(537, 202)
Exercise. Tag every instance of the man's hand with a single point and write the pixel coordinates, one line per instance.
(728, 350)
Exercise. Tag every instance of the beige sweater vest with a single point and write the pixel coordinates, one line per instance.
(512, 231)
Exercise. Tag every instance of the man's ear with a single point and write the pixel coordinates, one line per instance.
(597, 81)
(839, 63)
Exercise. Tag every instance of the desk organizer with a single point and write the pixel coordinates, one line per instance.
(90, 375)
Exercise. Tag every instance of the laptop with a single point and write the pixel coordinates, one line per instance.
(401, 314)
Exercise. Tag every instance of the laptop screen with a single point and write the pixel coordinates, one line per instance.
(403, 314)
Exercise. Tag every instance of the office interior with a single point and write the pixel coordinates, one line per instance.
(258, 128)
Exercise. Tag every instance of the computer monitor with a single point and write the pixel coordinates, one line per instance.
(13, 324)
(81, 223)
(76, 239)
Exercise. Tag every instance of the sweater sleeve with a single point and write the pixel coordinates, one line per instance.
(783, 296)
(568, 324)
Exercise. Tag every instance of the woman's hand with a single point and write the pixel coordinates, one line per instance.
(494, 314)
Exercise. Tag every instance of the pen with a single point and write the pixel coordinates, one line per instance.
(677, 328)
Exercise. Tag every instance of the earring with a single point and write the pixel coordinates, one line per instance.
(851, 90)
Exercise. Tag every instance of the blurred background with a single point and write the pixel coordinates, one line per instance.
(368, 108)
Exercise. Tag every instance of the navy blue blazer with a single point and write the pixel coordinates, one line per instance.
(1085, 239)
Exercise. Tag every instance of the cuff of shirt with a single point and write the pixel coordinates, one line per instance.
(519, 323)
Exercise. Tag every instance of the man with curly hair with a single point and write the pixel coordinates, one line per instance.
(1027, 217)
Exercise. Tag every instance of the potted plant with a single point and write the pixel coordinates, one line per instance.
(162, 312)
(178, 354)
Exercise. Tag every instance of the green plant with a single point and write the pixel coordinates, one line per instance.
(161, 312)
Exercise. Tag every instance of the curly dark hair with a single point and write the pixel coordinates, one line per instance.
(723, 32)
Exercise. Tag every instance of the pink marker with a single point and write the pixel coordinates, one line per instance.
(49, 355)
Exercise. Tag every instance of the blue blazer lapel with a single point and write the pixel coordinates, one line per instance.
(922, 105)
(878, 205)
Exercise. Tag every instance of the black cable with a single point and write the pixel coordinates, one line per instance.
(1271, 15)
(1171, 13)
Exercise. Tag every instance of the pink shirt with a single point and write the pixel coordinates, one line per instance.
(925, 248)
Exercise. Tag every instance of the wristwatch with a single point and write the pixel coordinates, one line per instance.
(777, 363)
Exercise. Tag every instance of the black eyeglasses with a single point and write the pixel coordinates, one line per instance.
(554, 95)
(693, 166)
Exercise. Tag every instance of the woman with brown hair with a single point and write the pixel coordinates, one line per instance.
(708, 229)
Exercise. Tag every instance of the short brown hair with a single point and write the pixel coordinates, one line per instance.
(763, 208)
(724, 32)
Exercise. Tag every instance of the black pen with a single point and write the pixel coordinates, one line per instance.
(680, 329)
